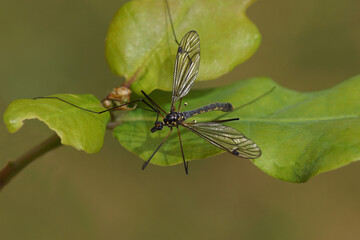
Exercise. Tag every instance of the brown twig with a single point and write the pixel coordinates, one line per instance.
(14, 167)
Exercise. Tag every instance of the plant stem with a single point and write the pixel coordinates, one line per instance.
(14, 167)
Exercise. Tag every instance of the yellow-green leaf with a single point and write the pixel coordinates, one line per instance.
(140, 45)
(75, 127)
(300, 134)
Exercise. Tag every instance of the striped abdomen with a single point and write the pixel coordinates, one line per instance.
(225, 107)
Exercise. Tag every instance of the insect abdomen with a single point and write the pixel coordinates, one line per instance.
(225, 107)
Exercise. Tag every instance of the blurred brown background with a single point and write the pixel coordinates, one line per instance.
(57, 46)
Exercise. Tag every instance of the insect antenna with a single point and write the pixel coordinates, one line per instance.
(147, 162)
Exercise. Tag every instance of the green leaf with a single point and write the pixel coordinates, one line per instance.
(300, 134)
(77, 128)
(140, 45)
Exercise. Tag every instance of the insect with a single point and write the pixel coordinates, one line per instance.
(186, 70)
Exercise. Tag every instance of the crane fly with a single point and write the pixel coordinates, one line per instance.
(186, 70)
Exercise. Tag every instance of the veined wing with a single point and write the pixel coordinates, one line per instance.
(226, 138)
(187, 65)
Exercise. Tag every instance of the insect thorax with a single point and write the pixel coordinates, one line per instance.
(173, 119)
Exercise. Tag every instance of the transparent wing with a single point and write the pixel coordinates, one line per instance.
(187, 65)
(226, 138)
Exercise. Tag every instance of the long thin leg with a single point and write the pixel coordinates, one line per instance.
(136, 106)
(215, 121)
(257, 98)
(153, 103)
(248, 103)
(187, 126)
(147, 162)
(171, 22)
(154, 108)
(186, 164)
(179, 105)
(138, 100)
(225, 120)
(110, 109)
